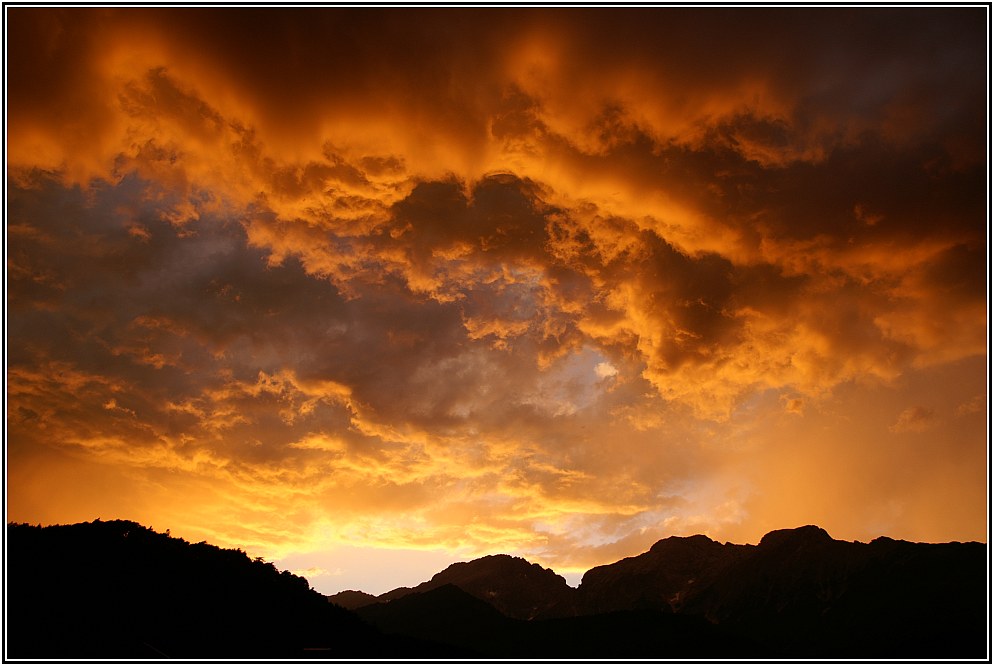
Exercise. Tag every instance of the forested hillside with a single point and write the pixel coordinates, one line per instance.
(116, 589)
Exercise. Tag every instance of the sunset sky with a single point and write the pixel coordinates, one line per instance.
(369, 291)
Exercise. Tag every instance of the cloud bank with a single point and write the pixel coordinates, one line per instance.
(552, 282)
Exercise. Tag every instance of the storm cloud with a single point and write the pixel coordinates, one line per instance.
(557, 282)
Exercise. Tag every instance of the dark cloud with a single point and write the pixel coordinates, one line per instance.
(531, 279)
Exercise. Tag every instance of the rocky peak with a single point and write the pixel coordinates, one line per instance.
(663, 578)
(514, 586)
(797, 537)
(494, 566)
(352, 599)
(676, 543)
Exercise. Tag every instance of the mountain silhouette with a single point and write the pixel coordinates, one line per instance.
(799, 593)
(444, 614)
(812, 596)
(118, 590)
(447, 614)
(804, 594)
(660, 579)
(352, 599)
(512, 585)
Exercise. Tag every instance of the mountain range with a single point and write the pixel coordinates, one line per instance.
(799, 593)
(116, 589)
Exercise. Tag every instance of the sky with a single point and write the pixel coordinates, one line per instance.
(367, 291)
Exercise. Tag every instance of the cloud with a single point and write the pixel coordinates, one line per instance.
(314, 572)
(914, 419)
(604, 370)
(327, 291)
(975, 405)
(792, 405)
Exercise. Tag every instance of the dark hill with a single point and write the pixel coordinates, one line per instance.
(116, 589)
(813, 596)
(447, 614)
(352, 599)
(106, 590)
(443, 614)
(512, 585)
(660, 579)
(799, 593)
(803, 594)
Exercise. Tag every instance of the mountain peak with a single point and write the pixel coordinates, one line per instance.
(516, 587)
(352, 599)
(697, 540)
(807, 534)
(490, 566)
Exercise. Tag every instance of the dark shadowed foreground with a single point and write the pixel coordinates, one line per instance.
(119, 590)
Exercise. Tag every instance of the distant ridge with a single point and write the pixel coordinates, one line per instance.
(352, 599)
(799, 592)
(512, 585)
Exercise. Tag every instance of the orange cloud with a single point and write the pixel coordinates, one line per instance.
(563, 282)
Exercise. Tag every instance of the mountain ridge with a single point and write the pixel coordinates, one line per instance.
(120, 590)
(517, 588)
(798, 591)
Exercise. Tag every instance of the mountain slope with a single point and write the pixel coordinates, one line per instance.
(660, 579)
(512, 585)
(798, 593)
(475, 629)
(814, 596)
(803, 594)
(444, 614)
(352, 599)
(119, 590)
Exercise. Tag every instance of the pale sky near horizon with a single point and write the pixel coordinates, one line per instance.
(369, 291)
